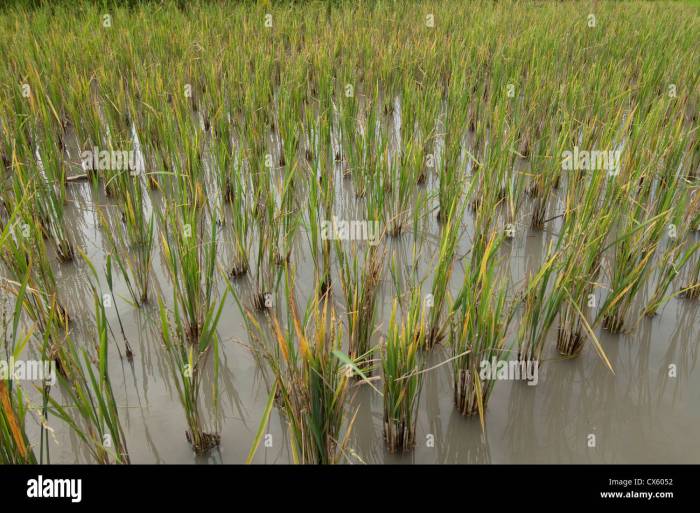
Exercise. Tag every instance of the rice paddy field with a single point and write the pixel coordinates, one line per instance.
(349, 232)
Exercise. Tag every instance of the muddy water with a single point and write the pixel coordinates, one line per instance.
(638, 414)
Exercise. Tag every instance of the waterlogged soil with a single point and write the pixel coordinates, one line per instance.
(647, 411)
(578, 412)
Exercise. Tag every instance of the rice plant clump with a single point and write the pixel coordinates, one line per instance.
(402, 366)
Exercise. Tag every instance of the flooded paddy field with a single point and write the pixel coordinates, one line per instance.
(251, 234)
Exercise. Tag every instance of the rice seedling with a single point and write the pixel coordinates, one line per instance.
(240, 222)
(547, 169)
(25, 255)
(320, 204)
(541, 302)
(427, 109)
(234, 188)
(287, 218)
(634, 253)
(451, 171)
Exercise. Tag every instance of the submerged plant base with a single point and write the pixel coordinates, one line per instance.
(62, 314)
(260, 301)
(152, 183)
(466, 396)
(614, 322)
(569, 343)
(651, 311)
(228, 193)
(203, 442)
(692, 291)
(530, 358)
(434, 337)
(399, 435)
(537, 223)
(396, 228)
(282, 258)
(193, 331)
(325, 286)
(64, 251)
(442, 216)
(238, 269)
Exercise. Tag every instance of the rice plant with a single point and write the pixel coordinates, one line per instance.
(360, 279)
(479, 323)
(441, 277)
(14, 406)
(311, 381)
(187, 364)
(402, 369)
(132, 247)
(91, 410)
(191, 262)
(677, 255)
